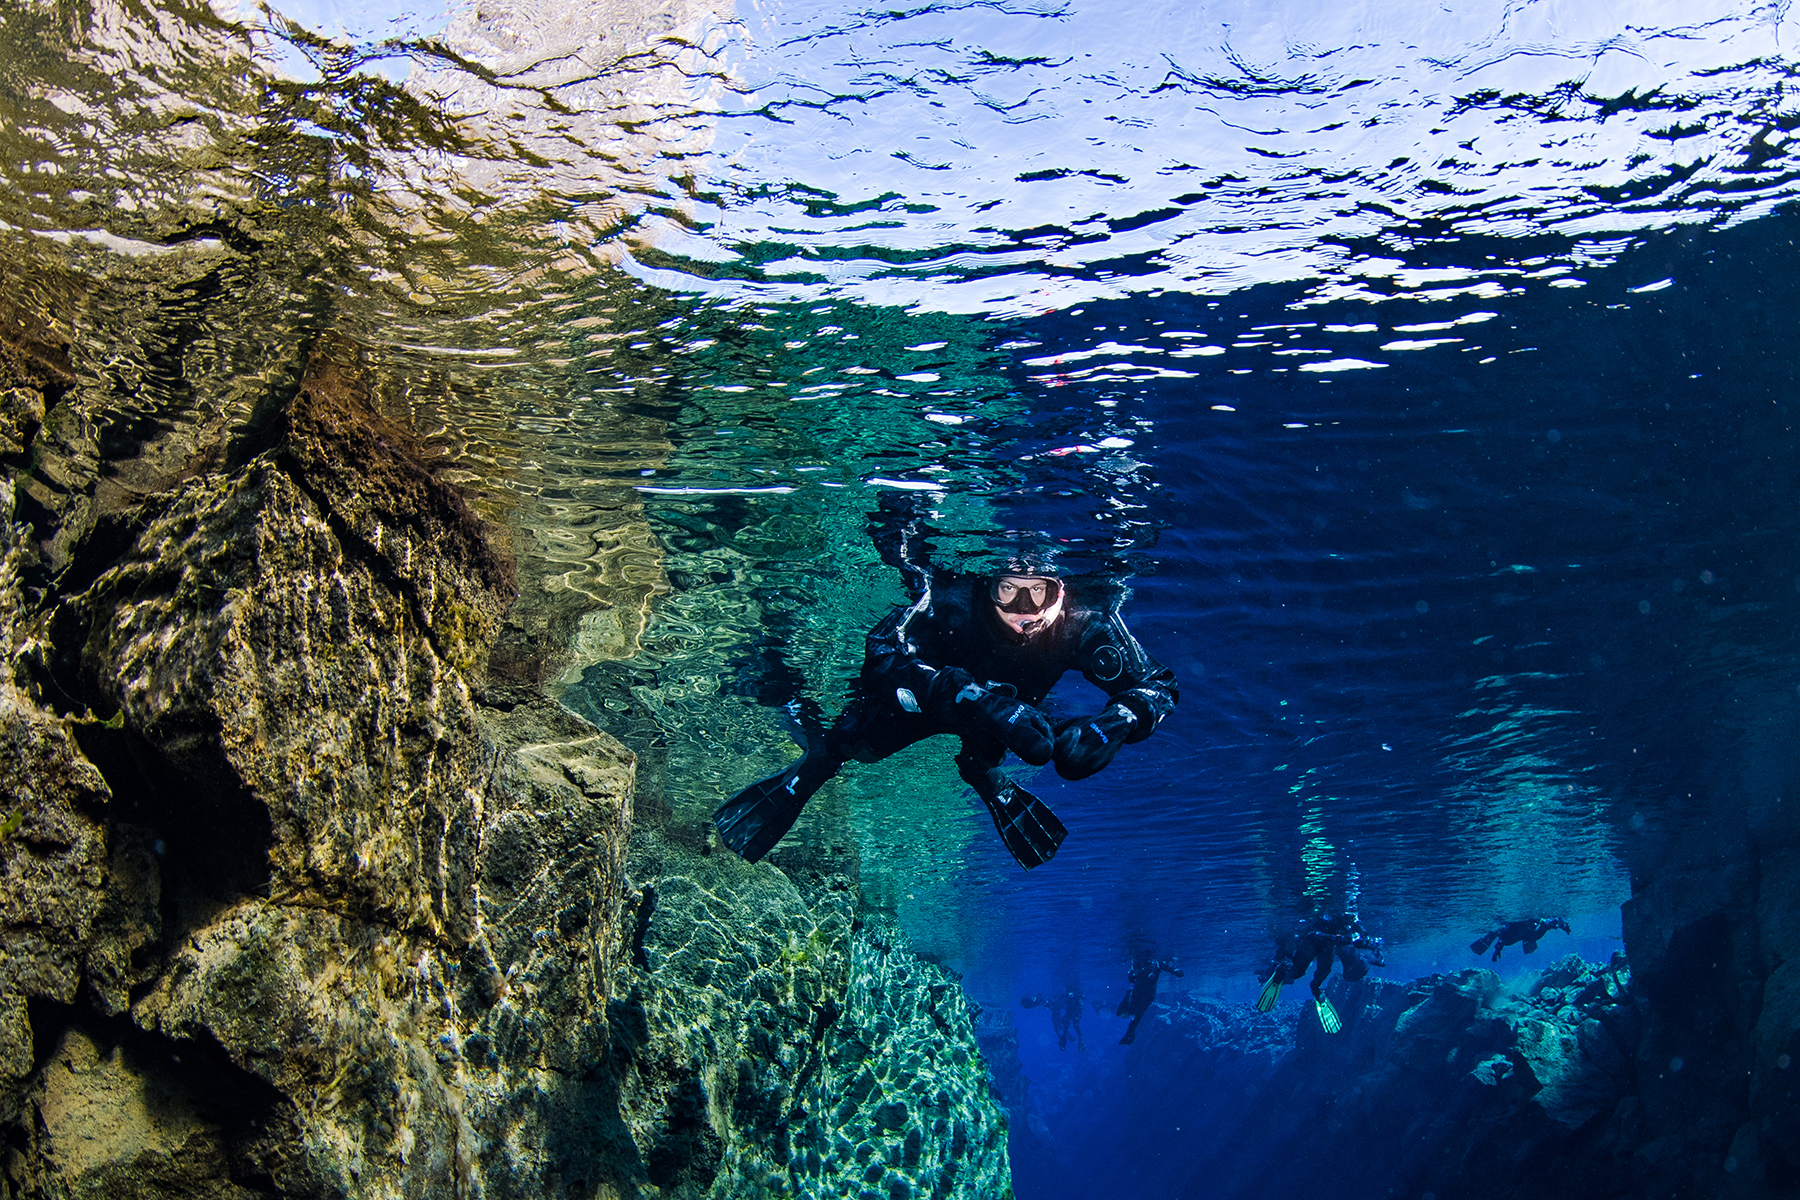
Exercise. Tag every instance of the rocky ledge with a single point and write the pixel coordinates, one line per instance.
(293, 903)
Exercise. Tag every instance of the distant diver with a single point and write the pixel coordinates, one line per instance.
(1065, 1015)
(1325, 938)
(972, 656)
(1531, 931)
(1145, 972)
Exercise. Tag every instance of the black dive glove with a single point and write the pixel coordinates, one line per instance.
(1086, 744)
(958, 701)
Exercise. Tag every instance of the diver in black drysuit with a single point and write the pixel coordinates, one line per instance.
(1531, 931)
(972, 656)
(1144, 976)
(1065, 1014)
(1327, 938)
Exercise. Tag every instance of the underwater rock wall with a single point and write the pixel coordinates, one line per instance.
(305, 914)
(293, 904)
(1713, 929)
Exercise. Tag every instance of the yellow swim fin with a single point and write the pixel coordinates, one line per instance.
(1270, 993)
(1328, 1018)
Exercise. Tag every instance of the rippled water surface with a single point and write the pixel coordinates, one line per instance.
(1423, 369)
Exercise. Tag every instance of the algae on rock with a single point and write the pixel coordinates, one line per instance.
(772, 1040)
(279, 885)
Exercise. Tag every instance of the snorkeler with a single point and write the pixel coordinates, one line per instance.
(1065, 1014)
(972, 656)
(1325, 939)
(1144, 975)
(1531, 931)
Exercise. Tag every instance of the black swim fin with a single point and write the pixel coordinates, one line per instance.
(1271, 992)
(1030, 830)
(1480, 944)
(752, 821)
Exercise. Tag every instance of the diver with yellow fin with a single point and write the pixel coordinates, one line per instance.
(1327, 937)
(974, 656)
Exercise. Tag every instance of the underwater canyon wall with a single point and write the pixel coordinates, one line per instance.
(1713, 930)
(297, 901)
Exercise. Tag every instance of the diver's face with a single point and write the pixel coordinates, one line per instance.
(1027, 603)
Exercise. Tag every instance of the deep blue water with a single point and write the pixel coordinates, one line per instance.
(1424, 370)
(1464, 632)
(1455, 618)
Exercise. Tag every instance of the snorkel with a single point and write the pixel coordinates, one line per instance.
(1026, 604)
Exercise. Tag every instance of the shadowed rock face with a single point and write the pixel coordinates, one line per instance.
(288, 654)
(265, 872)
(294, 905)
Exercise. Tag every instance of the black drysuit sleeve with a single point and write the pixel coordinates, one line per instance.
(892, 664)
(1110, 658)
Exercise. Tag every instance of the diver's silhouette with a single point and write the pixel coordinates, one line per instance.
(1530, 931)
(1145, 972)
(1325, 939)
(1065, 1015)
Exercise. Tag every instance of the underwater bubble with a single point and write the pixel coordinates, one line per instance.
(1644, 607)
(1675, 1064)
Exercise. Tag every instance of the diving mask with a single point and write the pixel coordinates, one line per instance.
(1024, 594)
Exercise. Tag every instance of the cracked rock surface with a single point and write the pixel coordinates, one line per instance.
(257, 941)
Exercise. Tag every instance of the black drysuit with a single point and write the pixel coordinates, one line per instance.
(1342, 938)
(952, 624)
(947, 663)
(1137, 1001)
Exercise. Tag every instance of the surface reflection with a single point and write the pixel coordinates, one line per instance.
(1018, 158)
